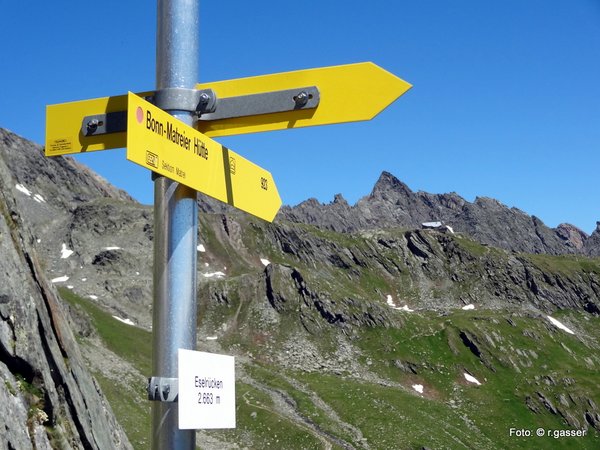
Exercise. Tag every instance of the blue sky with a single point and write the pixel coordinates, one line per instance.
(505, 103)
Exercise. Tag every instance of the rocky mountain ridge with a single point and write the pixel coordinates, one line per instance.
(392, 204)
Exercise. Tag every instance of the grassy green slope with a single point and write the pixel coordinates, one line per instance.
(451, 413)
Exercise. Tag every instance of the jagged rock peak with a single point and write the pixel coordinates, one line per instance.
(388, 182)
(572, 235)
(339, 199)
(310, 202)
(488, 202)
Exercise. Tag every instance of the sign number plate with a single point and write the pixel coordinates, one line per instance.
(206, 390)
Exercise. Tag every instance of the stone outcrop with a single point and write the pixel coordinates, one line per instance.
(48, 399)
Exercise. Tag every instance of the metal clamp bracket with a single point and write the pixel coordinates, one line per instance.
(206, 104)
(197, 101)
(163, 389)
(180, 99)
(265, 103)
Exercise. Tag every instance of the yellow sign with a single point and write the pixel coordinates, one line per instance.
(64, 120)
(165, 145)
(348, 93)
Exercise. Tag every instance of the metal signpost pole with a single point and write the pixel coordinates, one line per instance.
(175, 222)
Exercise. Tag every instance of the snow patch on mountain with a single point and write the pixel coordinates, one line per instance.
(471, 379)
(392, 304)
(65, 252)
(23, 189)
(217, 274)
(560, 325)
(126, 321)
(418, 388)
(59, 279)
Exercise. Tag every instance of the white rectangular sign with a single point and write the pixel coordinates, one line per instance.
(206, 390)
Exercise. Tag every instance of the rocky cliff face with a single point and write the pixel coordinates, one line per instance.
(392, 204)
(47, 399)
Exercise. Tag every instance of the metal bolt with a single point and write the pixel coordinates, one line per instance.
(204, 98)
(165, 391)
(206, 103)
(92, 126)
(301, 99)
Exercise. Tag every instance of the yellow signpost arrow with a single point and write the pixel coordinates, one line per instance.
(163, 144)
(64, 122)
(348, 93)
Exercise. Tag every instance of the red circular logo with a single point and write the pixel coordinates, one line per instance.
(139, 114)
